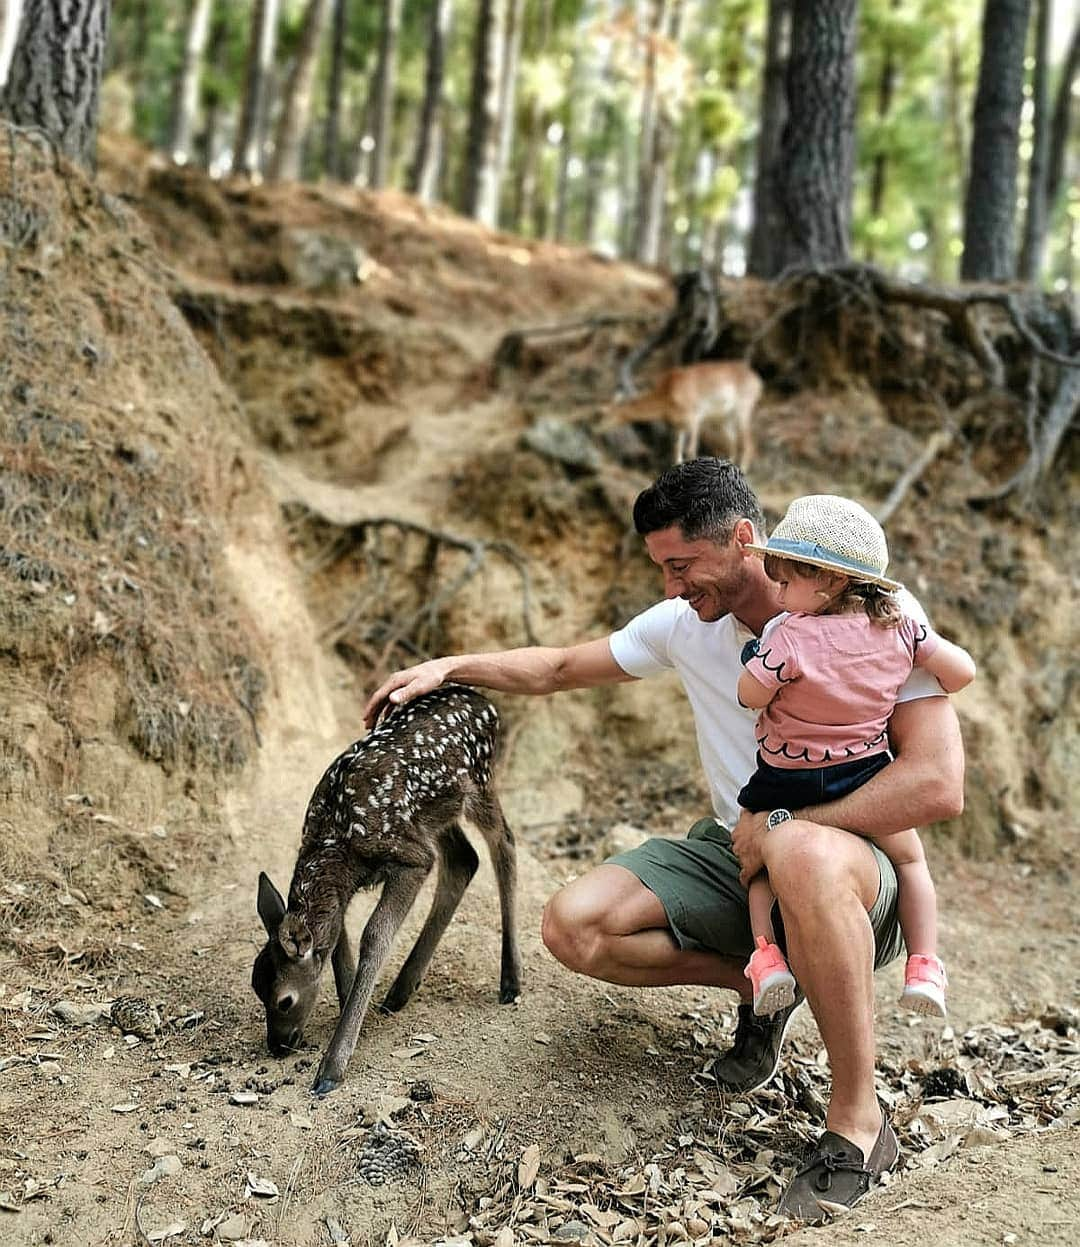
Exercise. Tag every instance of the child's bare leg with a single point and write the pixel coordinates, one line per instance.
(767, 969)
(917, 901)
(924, 976)
(761, 897)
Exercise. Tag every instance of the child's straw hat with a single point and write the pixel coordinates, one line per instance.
(835, 533)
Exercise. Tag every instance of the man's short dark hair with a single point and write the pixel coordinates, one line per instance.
(703, 498)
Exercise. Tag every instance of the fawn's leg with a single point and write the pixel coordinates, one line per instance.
(484, 808)
(398, 894)
(344, 967)
(457, 865)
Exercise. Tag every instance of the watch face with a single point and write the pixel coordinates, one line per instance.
(777, 817)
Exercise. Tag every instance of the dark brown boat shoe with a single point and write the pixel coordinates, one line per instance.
(836, 1175)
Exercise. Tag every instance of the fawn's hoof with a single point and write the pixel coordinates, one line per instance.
(395, 1001)
(324, 1084)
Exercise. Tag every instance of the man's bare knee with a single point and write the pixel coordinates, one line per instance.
(806, 861)
(568, 930)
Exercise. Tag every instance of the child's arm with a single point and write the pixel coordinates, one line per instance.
(753, 694)
(951, 665)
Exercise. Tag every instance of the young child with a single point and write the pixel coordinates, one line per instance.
(825, 677)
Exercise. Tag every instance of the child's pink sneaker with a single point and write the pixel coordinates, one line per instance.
(924, 986)
(774, 986)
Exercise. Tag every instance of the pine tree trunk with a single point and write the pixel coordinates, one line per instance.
(515, 20)
(1031, 251)
(55, 75)
(480, 184)
(990, 204)
(1059, 126)
(296, 111)
(424, 174)
(817, 152)
(253, 110)
(765, 258)
(879, 173)
(654, 145)
(217, 56)
(186, 94)
(10, 18)
(335, 81)
(384, 92)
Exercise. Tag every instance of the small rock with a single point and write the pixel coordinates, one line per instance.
(243, 1097)
(163, 1167)
(79, 1014)
(262, 1187)
(159, 1147)
(233, 1228)
(571, 1231)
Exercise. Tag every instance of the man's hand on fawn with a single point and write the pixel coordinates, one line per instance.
(747, 838)
(404, 686)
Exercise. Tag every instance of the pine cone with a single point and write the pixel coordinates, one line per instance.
(135, 1016)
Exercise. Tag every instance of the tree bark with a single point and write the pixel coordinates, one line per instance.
(186, 94)
(990, 205)
(249, 137)
(1059, 126)
(480, 183)
(879, 173)
(1031, 251)
(384, 92)
(55, 75)
(817, 151)
(296, 110)
(654, 144)
(766, 259)
(217, 56)
(10, 17)
(515, 19)
(332, 129)
(424, 174)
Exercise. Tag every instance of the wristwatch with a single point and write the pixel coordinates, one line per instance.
(776, 818)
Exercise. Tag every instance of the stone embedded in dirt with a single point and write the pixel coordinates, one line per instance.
(564, 442)
(301, 1122)
(243, 1097)
(172, 1230)
(163, 1167)
(232, 1229)
(75, 1014)
(571, 1231)
(262, 1187)
(337, 1232)
(159, 1147)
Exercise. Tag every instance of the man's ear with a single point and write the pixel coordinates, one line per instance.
(294, 936)
(270, 905)
(744, 534)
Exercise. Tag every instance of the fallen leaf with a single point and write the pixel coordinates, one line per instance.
(528, 1167)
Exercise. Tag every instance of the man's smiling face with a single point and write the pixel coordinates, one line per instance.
(712, 577)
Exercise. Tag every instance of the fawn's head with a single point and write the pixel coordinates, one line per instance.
(286, 973)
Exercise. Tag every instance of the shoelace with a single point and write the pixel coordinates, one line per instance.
(833, 1162)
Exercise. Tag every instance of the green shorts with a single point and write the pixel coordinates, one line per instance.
(697, 882)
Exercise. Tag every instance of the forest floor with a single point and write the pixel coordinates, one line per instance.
(583, 1112)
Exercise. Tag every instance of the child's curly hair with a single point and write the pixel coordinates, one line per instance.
(881, 605)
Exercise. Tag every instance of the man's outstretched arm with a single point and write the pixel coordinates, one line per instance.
(535, 669)
(924, 784)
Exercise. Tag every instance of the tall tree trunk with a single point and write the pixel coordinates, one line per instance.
(253, 110)
(955, 95)
(186, 93)
(384, 91)
(217, 57)
(1059, 126)
(990, 204)
(424, 174)
(334, 85)
(515, 20)
(296, 111)
(10, 17)
(480, 189)
(55, 75)
(654, 143)
(878, 175)
(765, 258)
(817, 152)
(1031, 250)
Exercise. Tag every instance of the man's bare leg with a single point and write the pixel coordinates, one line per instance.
(609, 925)
(826, 881)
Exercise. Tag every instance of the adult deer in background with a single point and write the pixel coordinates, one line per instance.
(686, 397)
(383, 813)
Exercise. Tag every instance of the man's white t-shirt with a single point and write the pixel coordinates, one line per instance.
(670, 636)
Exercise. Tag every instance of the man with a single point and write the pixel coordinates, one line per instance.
(675, 911)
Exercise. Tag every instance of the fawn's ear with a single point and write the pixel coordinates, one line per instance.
(271, 906)
(295, 937)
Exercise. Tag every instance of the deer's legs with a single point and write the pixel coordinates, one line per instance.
(457, 865)
(485, 810)
(398, 894)
(344, 967)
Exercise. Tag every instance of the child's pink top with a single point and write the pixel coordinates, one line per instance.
(838, 677)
